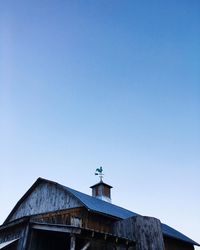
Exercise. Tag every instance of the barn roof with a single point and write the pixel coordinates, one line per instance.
(171, 232)
(99, 206)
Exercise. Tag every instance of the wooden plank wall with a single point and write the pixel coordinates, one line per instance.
(73, 216)
(146, 231)
(45, 198)
(79, 217)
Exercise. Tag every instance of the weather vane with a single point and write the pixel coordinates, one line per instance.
(99, 172)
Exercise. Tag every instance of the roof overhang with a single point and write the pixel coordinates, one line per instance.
(82, 232)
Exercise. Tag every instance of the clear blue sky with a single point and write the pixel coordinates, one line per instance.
(111, 83)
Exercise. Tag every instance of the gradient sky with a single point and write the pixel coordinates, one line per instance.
(107, 83)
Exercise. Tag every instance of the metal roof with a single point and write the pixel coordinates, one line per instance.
(100, 206)
(171, 232)
(100, 183)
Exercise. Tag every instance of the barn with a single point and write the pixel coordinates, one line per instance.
(51, 216)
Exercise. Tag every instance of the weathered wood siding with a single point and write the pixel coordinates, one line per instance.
(173, 244)
(45, 197)
(146, 231)
(79, 217)
(73, 216)
(99, 222)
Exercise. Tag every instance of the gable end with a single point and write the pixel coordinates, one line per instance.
(44, 196)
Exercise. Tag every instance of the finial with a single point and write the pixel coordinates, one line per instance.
(99, 172)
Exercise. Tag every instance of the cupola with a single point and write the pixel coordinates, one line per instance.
(101, 190)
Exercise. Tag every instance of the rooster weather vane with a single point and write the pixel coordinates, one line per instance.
(99, 172)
